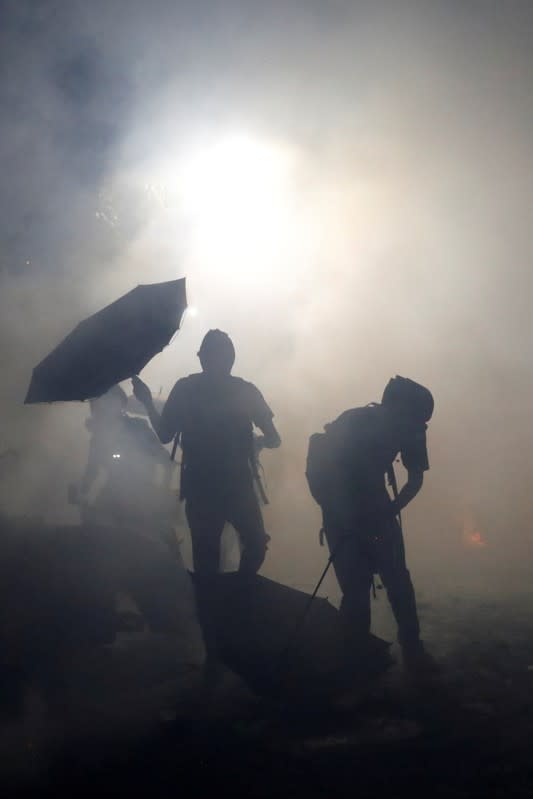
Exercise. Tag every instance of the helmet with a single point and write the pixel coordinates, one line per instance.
(217, 351)
(404, 394)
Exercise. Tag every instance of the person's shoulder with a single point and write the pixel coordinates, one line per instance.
(249, 396)
(185, 384)
(357, 419)
(243, 385)
(134, 424)
(247, 390)
(134, 421)
(353, 415)
(188, 380)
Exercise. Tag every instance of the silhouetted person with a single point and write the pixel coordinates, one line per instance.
(346, 470)
(214, 413)
(126, 453)
(131, 517)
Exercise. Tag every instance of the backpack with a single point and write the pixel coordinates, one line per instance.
(321, 465)
(326, 452)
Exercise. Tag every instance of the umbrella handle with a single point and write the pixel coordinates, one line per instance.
(284, 656)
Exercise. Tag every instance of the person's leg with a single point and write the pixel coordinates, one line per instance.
(397, 580)
(354, 575)
(206, 521)
(245, 515)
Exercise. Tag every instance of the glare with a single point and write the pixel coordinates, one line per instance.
(235, 195)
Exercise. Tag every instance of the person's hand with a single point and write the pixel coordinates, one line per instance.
(141, 391)
(259, 443)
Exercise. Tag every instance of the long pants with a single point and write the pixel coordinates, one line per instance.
(360, 551)
(207, 513)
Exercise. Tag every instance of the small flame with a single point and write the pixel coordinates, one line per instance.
(472, 537)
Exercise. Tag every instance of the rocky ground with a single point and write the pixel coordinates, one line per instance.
(466, 732)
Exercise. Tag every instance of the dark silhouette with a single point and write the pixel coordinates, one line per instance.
(213, 413)
(255, 622)
(127, 452)
(134, 509)
(346, 468)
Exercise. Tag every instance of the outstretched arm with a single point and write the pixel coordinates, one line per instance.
(409, 491)
(159, 421)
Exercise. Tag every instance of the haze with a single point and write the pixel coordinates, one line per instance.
(346, 187)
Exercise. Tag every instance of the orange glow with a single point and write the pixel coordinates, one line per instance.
(472, 538)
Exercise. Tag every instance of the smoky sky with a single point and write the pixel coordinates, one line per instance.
(405, 245)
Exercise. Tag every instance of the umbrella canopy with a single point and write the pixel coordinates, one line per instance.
(111, 345)
(255, 623)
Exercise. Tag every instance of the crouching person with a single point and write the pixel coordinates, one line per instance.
(346, 470)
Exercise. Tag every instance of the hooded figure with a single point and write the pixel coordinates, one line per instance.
(346, 469)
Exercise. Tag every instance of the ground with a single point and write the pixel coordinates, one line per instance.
(467, 732)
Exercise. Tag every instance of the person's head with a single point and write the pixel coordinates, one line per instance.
(217, 353)
(408, 402)
(110, 406)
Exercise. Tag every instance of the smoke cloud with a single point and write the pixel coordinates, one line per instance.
(368, 215)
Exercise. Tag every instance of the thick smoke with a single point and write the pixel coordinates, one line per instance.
(395, 240)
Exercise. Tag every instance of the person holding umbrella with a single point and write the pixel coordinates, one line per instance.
(127, 453)
(132, 515)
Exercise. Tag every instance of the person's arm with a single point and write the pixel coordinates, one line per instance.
(415, 480)
(270, 438)
(163, 423)
(415, 459)
(262, 417)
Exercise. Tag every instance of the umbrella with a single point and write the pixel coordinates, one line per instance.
(255, 620)
(111, 345)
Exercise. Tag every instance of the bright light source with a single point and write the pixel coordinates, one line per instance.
(234, 194)
(227, 206)
(231, 171)
(192, 310)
